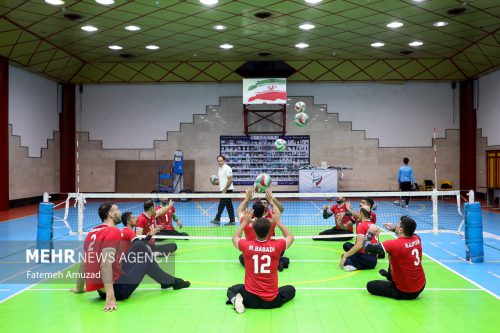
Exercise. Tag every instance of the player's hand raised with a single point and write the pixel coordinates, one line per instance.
(249, 194)
(269, 195)
(389, 226)
(247, 215)
(374, 229)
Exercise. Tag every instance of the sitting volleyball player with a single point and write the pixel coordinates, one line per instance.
(259, 209)
(406, 277)
(165, 220)
(355, 257)
(102, 269)
(261, 290)
(342, 219)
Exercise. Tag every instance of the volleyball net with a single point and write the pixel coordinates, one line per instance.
(434, 211)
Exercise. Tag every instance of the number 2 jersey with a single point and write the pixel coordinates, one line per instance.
(405, 260)
(101, 237)
(261, 266)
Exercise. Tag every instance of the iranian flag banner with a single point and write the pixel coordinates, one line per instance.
(264, 91)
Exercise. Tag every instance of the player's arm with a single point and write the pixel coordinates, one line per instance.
(390, 227)
(108, 254)
(327, 212)
(165, 209)
(270, 198)
(243, 205)
(80, 281)
(247, 216)
(177, 220)
(277, 219)
(359, 244)
(354, 213)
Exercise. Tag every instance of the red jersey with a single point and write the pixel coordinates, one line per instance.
(250, 233)
(261, 269)
(99, 238)
(127, 236)
(405, 260)
(146, 223)
(165, 220)
(362, 229)
(341, 210)
(373, 218)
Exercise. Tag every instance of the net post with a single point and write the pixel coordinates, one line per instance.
(80, 200)
(435, 212)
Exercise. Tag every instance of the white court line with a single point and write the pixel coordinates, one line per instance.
(298, 288)
(463, 277)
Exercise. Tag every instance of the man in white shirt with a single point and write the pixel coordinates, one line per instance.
(225, 182)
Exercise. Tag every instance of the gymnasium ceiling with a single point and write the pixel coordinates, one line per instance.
(37, 35)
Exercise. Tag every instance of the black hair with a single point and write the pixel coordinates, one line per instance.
(223, 158)
(364, 213)
(104, 210)
(148, 204)
(408, 224)
(258, 209)
(126, 218)
(369, 200)
(406, 160)
(261, 226)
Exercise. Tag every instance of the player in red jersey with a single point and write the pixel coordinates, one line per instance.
(406, 277)
(342, 221)
(165, 221)
(261, 273)
(366, 203)
(129, 221)
(147, 221)
(101, 269)
(260, 207)
(355, 256)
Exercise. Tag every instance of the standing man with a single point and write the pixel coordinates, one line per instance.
(406, 277)
(262, 255)
(225, 182)
(405, 179)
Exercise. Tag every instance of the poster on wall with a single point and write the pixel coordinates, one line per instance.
(264, 91)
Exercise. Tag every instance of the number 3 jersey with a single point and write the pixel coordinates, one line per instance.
(405, 260)
(261, 266)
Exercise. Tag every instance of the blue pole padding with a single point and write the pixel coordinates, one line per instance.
(45, 230)
(473, 232)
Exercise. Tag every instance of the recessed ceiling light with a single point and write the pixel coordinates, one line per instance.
(419, 0)
(152, 47)
(395, 24)
(313, 1)
(105, 2)
(220, 27)
(301, 45)
(416, 43)
(89, 28)
(115, 47)
(440, 24)
(307, 26)
(132, 28)
(55, 2)
(377, 44)
(226, 46)
(209, 2)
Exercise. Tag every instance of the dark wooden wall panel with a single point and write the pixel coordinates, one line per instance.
(142, 176)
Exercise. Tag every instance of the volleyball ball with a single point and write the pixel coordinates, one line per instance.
(301, 119)
(280, 145)
(262, 182)
(213, 178)
(300, 106)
